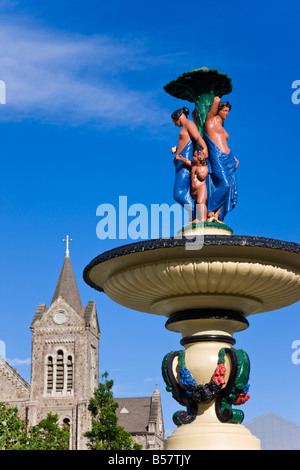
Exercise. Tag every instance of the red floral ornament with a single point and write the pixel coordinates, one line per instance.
(219, 374)
(241, 398)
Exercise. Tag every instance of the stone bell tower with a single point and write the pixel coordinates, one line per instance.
(64, 362)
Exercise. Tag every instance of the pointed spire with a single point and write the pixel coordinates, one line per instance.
(66, 286)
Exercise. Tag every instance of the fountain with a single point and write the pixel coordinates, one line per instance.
(206, 295)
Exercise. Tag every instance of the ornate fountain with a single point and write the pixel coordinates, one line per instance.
(206, 295)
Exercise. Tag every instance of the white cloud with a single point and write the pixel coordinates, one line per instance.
(56, 77)
(19, 362)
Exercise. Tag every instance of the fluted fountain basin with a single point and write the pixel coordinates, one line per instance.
(206, 294)
(240, 273)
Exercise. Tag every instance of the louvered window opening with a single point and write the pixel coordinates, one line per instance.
(60, 374)
(69, 374)
(60, 371)
(50, 374)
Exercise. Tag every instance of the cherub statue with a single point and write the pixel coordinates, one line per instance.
(198, 173)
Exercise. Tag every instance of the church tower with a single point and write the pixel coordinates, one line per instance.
(64, 361)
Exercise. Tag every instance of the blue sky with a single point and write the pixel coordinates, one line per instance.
(86, 120)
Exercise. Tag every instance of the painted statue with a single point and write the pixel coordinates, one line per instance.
(198, 172)
(204, 87)
(189, 137)
(221, 181)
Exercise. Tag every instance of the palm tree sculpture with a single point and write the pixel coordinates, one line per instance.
(200, 86)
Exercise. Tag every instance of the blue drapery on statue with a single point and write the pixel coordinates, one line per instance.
(181, 192)
(220, 182)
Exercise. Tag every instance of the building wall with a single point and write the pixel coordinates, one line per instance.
(14, 391)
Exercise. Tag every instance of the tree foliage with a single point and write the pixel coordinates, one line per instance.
(13, 434)
(105, 433)
(46, 435)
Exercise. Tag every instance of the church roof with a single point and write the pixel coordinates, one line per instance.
(135, 414)
(12, 385)
(67, 287)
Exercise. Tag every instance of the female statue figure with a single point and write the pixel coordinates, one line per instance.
(221, 182)
(189, 137)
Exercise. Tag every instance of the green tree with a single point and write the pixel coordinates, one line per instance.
(105, 434)
(12, 429)
(46, 435)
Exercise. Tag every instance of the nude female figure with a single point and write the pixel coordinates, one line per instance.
(222, 191)
(188, 131)
(189, 137)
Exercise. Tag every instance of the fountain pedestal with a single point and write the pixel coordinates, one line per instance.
(206, 295)
(204, 334)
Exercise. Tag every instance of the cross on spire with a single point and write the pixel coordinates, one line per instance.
(67, 240)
